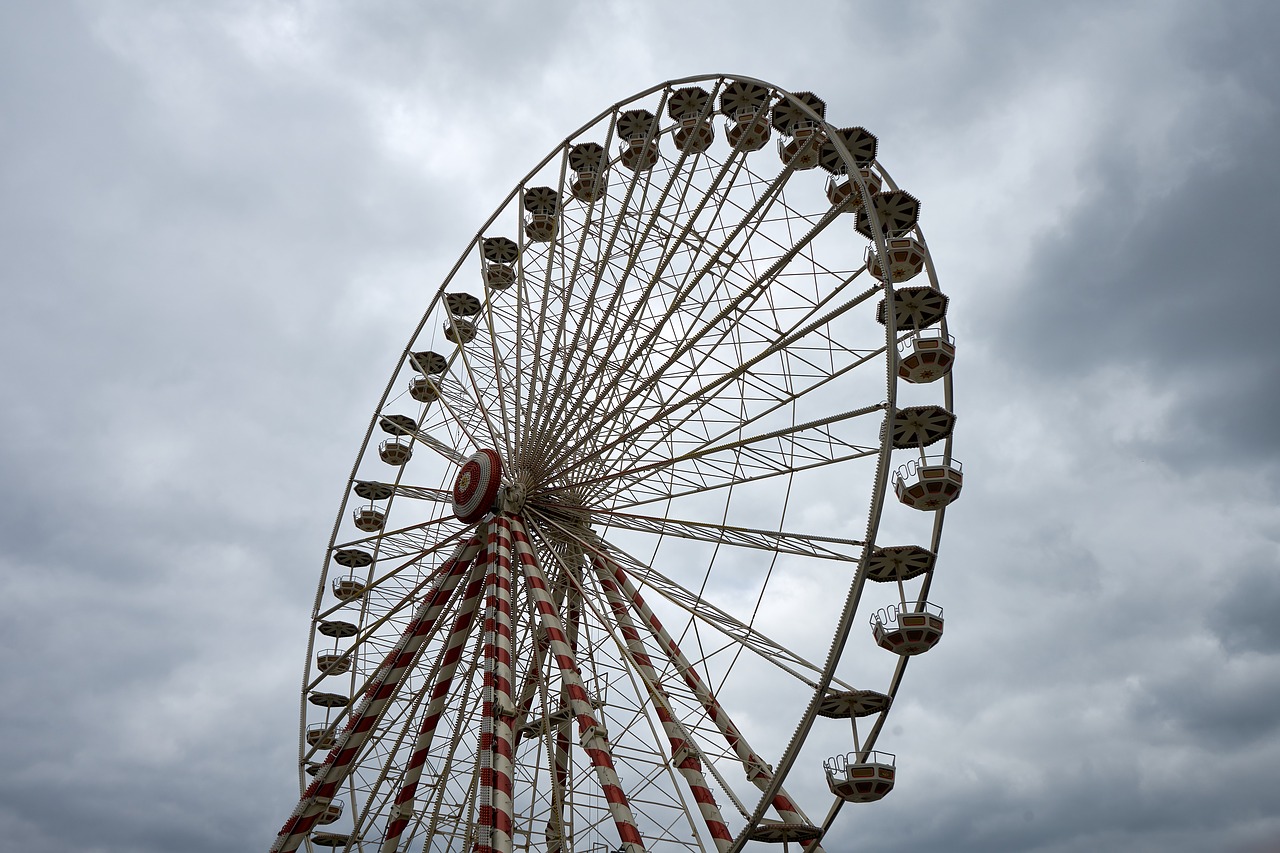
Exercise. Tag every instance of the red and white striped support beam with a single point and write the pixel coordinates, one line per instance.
(366, 714)
(681, 748)
(446, 669)
(560, 751)
(556, 841)
(594, 741)
(496, 790)
(757, 771)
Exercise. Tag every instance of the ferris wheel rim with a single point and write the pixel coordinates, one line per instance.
(882, 468)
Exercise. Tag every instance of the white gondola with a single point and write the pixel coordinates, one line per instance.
(907, 258)
(907, 629)
(841, 190)
(348, 587)
(746, 106)
(332, 811)
(926, 356)
(333, 662)
(423, 390)
(589, 165)
(929, 483)
(368, 518)
(460, 331)
(801, 152)
(393, 451)
(498, 262)
(688, 106)
(858, 778)
(639, 150)
(320, 736)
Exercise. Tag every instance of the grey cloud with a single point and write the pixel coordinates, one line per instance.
(212, 248)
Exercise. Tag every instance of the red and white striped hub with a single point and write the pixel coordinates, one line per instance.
(477, 486)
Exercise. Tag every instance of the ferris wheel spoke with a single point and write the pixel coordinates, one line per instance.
(609, 319)
(554, 250)
(674, 240)
(780, 452)
(643, 334)
(482, 387)
(716, 262)
(441, 683)
(684, 750)
(680, 485)
(706, 394)
(772, 541)
(468, 426)
(499, 386)
(363, 718)
(595, 742)
(737, 305)
(641, 179)
(740, 368)
(558, 347)
(388, 541)
(692, 603)
(757, 770)
(616, 397)
(418, 552)
(444, 450)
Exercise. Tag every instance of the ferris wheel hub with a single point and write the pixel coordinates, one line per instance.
(477, 486)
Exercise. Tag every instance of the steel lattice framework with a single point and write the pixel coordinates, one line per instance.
(608, 532)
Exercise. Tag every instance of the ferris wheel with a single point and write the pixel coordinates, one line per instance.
(597, 581)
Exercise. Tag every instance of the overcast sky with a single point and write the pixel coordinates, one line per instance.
(219, 222)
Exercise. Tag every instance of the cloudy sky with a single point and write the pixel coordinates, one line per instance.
(219, 222)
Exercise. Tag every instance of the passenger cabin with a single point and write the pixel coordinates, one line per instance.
(348, 587)
(320, 736)
(589, 165)
(639, 141)
(907, 629)
(370, 519)
(542, 209)
(907, 257)
(423, 389)
(840, 191)
(498, 262)
(460, 331)
(333, 662)
(926, 356)
(332, 811)
(929, 483)
(688, 106)
(793, 116)
(861, 778)
(746, 106)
